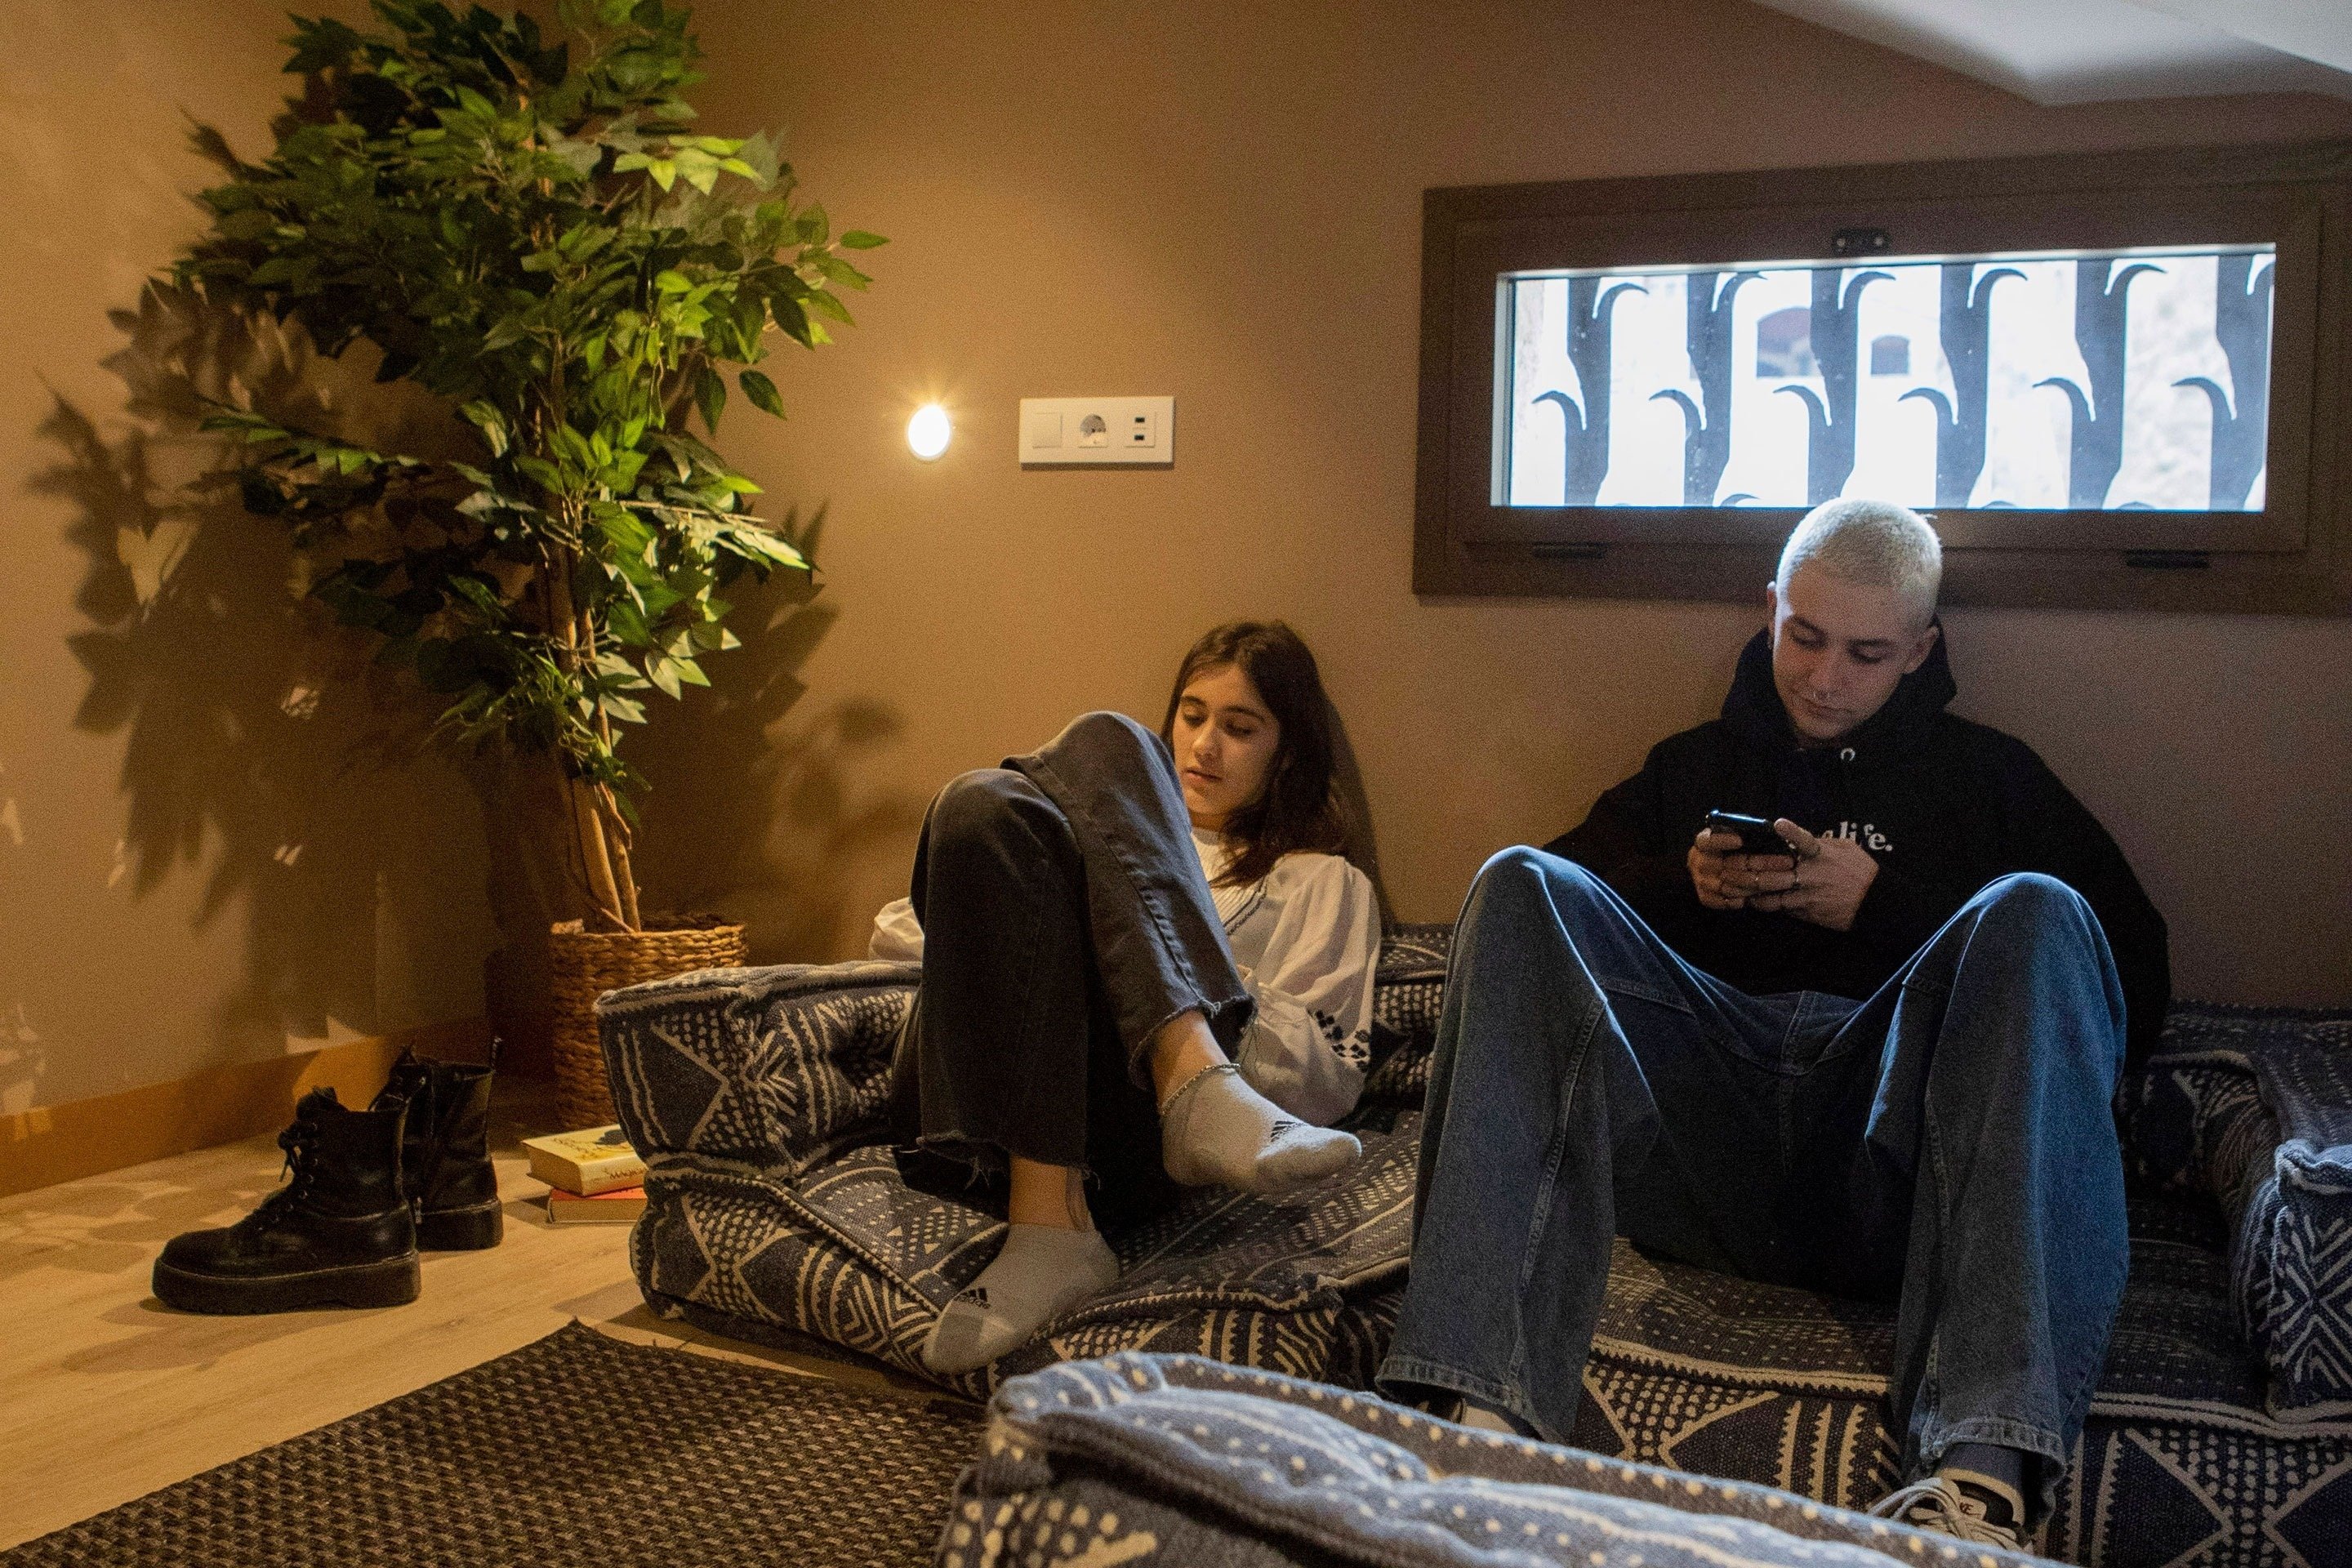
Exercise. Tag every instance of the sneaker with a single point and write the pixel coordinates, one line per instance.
(1941, 1505)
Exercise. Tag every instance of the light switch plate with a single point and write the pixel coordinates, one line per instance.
(1082, 432)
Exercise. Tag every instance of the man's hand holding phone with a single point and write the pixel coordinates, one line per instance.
(1826, 884)
(1820, 881)
(1737, 858)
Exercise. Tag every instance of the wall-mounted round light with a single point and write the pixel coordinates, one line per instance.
(927, 432)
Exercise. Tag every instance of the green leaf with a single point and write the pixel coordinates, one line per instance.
(631, 536)
(484, 416)
(761, 392)
(858, 239)
(709, 397)
(842, 272)
(542, 473)
(821, 300)
(663, 672)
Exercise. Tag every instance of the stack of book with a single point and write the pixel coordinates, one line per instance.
(593, 1178)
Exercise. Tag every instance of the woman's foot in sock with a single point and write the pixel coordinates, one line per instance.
(1040, 1271)
(1216, 1130)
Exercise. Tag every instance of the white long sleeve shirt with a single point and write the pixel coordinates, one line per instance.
(1306, 939)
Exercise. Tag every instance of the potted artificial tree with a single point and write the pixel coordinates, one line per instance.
(527, 229)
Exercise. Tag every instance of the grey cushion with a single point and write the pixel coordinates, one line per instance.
(1154, 1459)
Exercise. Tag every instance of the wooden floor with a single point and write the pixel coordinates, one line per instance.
(105, 1393)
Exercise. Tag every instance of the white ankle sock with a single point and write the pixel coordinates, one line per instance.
(1216, 1130)
(1040, 1272)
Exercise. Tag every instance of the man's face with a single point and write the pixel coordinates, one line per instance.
(1838, 649)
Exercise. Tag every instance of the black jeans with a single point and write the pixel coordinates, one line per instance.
(1065, 919)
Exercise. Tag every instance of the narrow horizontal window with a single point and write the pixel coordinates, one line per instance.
(2059, 381)
(2108, 377)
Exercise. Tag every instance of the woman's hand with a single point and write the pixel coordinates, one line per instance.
(1827, 883)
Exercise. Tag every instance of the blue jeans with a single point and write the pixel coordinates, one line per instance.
(1949, 1141)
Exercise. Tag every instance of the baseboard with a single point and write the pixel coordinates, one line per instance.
(55, 1144)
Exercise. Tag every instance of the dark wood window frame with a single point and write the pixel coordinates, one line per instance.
(2295, 557)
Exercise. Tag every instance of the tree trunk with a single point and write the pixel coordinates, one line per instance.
(609, 906)
(597, 825)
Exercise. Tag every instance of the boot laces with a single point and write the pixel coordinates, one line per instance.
(300, 1141)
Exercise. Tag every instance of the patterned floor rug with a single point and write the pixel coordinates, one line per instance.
(702, 1463)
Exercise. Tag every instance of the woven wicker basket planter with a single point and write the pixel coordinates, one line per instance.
(585, 964)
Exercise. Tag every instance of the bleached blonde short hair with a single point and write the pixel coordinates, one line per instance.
(1872, 542)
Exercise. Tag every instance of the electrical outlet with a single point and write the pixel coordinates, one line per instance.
(1075, 432)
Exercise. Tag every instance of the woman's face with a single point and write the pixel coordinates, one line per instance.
(1225, 740)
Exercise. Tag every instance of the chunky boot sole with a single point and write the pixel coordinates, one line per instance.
(469, 1229)
(391, 1283)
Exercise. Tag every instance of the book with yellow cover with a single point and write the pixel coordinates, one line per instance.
(622, 1205)
(588, 1163)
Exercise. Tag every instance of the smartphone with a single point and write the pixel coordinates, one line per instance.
(1756, 836)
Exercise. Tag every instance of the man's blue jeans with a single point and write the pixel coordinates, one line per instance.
(1949, 1141)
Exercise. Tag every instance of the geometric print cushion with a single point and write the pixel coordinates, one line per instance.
(851, 1255)
(783, 1068)
(2254, 1107)
(2177, 1464)
(774, 1209)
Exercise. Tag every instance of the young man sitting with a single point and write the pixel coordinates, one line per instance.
(1877, 1061)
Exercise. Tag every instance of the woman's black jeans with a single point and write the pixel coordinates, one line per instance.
(1066, 919)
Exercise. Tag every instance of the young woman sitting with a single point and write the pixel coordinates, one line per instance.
(1145, 967)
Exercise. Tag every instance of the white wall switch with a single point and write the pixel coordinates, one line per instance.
(1071, 432)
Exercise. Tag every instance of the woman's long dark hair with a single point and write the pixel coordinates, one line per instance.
(1298, 809)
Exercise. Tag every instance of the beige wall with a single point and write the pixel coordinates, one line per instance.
(201, 863)
(1221, 201)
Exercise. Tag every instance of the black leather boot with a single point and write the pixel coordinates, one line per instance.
(445, 1157)
(340, 1231)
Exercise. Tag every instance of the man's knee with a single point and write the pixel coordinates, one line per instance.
(1522, 869)
(2031, 900)
(1523, 882)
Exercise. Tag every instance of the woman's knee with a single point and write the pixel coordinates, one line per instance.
(1103, 734)
(981, 806)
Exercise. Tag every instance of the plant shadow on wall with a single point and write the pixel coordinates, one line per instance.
(259, 752)
(755, 808)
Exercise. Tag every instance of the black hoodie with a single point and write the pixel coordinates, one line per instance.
(1944, 806)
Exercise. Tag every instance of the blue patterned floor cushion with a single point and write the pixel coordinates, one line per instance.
(774, 1214)
(2254, 1110)
(1166, 1461)
(2178, 1463)
(756, 1097)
